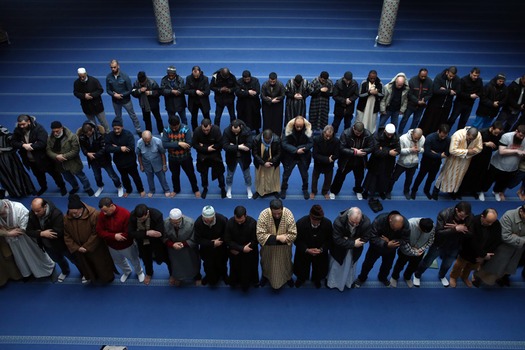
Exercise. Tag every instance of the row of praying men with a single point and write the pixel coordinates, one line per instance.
(481, 249)
(483, 158)
(429, 102)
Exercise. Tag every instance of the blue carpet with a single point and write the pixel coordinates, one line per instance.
(52, 38)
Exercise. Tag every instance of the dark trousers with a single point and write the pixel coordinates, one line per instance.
(126, 173)
(387, 256)
(347, 116)
(304, 261)
(409, 175)
(40, 175)
(187, 166)
(463, 112)
(146, 253)
(340, 176)
(97, 172)
(288, 168)
(204, 178)
(429, 168)
(195, 114)
(402, 260)
(59, 256)
(146, 116)
(214, 262)
(218, 113)
(500, 178)
(448, 256)
(316, 173)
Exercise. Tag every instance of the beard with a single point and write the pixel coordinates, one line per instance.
(516, 140)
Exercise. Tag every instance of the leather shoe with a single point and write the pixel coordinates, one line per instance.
(290, 283)
(223, 192)
(41, 191)
(204, 193)
(306, 195)
(413, 195)
(429, 196)
(63, 191)
(255, 195)
(283, 194)
(299, 283)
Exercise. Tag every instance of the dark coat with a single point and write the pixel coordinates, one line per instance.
(348, 141)
(491, 93)
(192, 85)
(468, 87)
(174, 103)
(248, 106)
(380, 160)
(381, 227)
(244, 267)
(160, 252)
(448, 238)
(113, 144)
(153, 99)
(364, 94)
(93, 87)
(322, 150)
(441, 97)
(97, 146)
(214, 258)
(419, 90)
(55, 222)
(205, 159)
(484, 239)
(292, 140)
(275, 150)
(341, 239)
(223, 88)
(230, 144)
(342, 91)
(38, 140)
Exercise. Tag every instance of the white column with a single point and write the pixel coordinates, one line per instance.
(163, 19)
(388, 22)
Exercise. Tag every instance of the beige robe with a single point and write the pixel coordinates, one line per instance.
(456, 165)
(276, 260)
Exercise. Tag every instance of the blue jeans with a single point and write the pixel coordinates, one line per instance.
(128, 106)
(448, 257)
(70, 177)
(97, 172)
(245, 173)
(392, 115)
(162, 179)
(417, 112)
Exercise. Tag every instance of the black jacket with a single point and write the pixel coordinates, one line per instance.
(114, 143)
(55, 222)
(228, 84)
(230, 144)
(97, 145)
(274, 156)
(348, 141)
(192, 85)
(341, 239)
(342, 91)
(322, 151)
(38, 140)
(92, 86)
(468, 87)
(174, 103)
(491, 93)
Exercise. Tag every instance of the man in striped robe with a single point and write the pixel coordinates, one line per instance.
(464, 144)
(276, 231)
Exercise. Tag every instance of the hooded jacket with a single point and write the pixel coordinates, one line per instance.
(96, 144)
(388, 93)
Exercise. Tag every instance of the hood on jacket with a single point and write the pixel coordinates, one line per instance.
(307, 127)
(401, 74)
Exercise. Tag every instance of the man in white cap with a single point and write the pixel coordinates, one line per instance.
(382, 161)
(210, 228)
(182, 248)
(89, 91)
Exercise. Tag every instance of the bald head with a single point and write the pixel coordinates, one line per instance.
(299, 123)
(146, 136)
(38, 207)
(489, 217)
(416, 134)
(354, 215)
(396, 222)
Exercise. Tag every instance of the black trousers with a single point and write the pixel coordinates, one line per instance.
(304, 261)
(189, 170)
(387, 256)
(133, 172)
(430, 168)
(402, 260)
(340, 176)
(288, 168)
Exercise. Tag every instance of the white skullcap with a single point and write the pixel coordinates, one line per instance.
(390, 128)
(175, 214)
(81, 71)
(208, 212)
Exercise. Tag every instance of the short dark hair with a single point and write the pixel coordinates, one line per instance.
(464, 207)
(174, 120)
(444, 128)
(498, 124)
(23, 118)
(239, 211)
(141, 210)
(206, 122)
(272, 75)
(105, 202)
(475, 70)
(276, 204)
(324, 75)
(426, 224)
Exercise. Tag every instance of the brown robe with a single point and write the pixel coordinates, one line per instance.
(96, 264)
